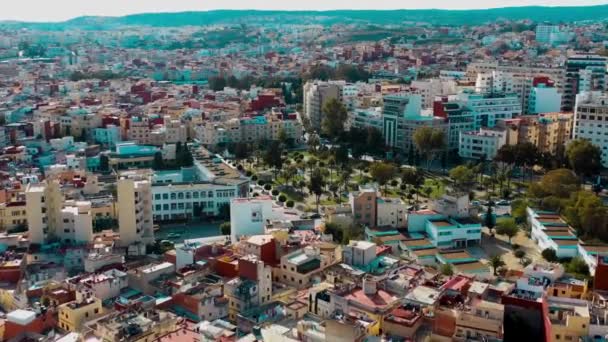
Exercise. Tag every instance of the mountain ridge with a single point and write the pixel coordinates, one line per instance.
(432, 16)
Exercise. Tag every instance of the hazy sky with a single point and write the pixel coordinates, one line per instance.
(56, 10)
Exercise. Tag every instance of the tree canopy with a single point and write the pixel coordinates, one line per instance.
(334, 117)
(584, 157)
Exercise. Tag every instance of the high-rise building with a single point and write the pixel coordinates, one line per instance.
(316, 95)
(545, 32)
(489, 107)
(43, 210)
(590, 120)
(134, 209)
(584, 73)
(402, 116)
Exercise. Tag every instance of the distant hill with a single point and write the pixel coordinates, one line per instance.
(434, 16)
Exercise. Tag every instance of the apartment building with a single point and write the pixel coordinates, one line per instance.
(299, 268)
(364, 118)
(570, 318)
(583, 73)
(251, 288)
(402, 117)
(250, 130)
(544, 98)
(549, 132)
(481, 320)
(43, 202)
(134, 208)
(13, 215)
(488, 108)
(248, 216)
(359, 253)
(77, 223)
(316, 95)
(363, 206)
(520, 78)
(391, 212)
(73, 315)
(484, 143)
(591, 120)
(431, 88)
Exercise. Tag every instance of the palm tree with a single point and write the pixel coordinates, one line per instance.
(496, 263)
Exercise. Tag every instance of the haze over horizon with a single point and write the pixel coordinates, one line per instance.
(60, 10)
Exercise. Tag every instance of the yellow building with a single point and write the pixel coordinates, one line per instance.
(12, 215)
(483, 320)
(73, 315)
(569, 319)
(568, 288)
(548, 132)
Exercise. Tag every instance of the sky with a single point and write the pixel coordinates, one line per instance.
(58, 10)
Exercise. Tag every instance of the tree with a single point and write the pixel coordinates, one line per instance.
(273, 156)
(374, 142)
(341, 156)
(447, 269)
(316, 185)
(429, 141)
(526, 155)
(496, 263)
(462, 176)
(104, 163)
(334, 117)
(382, 173)
(518, 210)
(282, 136)
(549, 254)
(578, 267)
(158, 163)
(560, 183)
(225, 228)
(587, 213)
(508, 227)
(584, 157)
(489, 218)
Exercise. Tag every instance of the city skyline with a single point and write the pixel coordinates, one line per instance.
(60, 10)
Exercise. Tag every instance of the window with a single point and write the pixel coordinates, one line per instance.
(165, 196)
(157, 196)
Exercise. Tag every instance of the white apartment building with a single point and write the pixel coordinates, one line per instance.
(248, 216)
(431, 88)
(77, 222)
(316, 95)
(544, 100)
(359, 253)
(134, 209)
(483, 143)
(488, 108)
(591, 120)
(391, 212)
(43, 210)
(364, 118)
(519, 78)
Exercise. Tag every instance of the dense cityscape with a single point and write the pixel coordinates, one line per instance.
(314, 176)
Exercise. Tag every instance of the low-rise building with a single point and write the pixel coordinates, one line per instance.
(549, 230)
